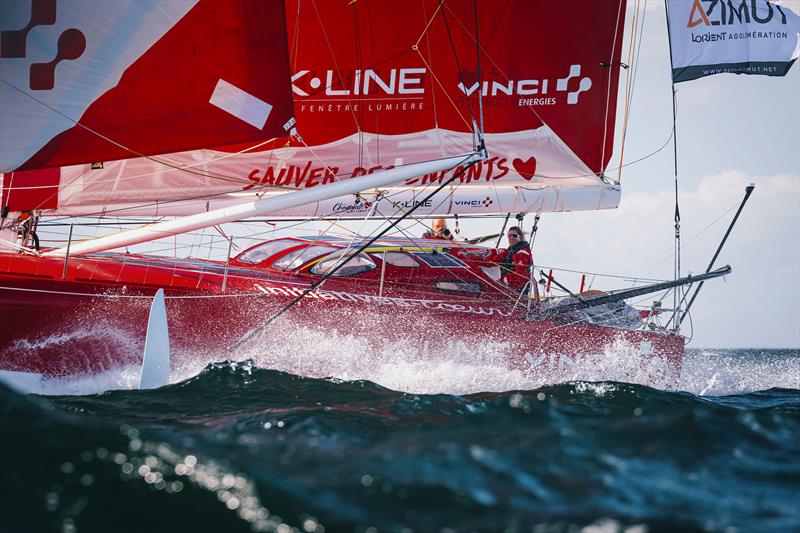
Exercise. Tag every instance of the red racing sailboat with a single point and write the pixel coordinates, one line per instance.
(198, 113)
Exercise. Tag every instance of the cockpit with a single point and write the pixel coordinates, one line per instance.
(321, 256)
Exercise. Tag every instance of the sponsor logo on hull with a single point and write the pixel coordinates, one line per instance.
(404, 303)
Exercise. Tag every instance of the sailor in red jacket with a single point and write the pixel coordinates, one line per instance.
(515, 261)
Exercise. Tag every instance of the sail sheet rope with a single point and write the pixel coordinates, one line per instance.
(634, 54)
(608, 89)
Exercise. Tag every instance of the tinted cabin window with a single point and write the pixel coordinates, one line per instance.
(398, 259)
(300, 257)
(440, 260)
(357, 265)
(268, 249)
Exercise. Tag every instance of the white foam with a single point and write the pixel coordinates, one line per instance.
(460, 367)
(116, 379)
(725, 372)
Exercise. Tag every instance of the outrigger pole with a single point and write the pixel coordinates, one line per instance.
(268, 205)
(624, 294)
(747, 192)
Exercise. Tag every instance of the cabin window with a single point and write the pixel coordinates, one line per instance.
(302, 256)
(357, 265)
(398, 259)
(459, 286)
(258, 253)
(440, 260)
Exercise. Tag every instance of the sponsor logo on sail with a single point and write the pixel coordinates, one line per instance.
(534, 90)
(474, 202)
(402, 89)
(394, 82)
(412, 204)
(14, 43)
(358, 207)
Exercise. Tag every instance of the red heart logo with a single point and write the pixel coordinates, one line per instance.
(525, 168)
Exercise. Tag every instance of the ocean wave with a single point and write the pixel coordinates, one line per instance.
(238, 447)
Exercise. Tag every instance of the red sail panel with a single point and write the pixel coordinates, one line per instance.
(142, 78)
(32, 189)
(382, 83)
(401, 67)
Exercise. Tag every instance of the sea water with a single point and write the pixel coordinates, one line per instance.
(320, 436)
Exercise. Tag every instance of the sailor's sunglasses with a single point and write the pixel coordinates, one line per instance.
(513, 236)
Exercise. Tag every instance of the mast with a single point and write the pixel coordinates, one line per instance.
(676, 302)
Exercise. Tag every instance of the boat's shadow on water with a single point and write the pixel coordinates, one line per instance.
(237, 447)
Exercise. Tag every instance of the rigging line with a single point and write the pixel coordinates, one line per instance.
(355, 234)
(629, 74)
(321, 90)
(157, 203)
(503, 290)
(296, 39)
(458, 64)
(290, 226)
(372, 48)
(333, 271)
(498, 69)
(96, 133)
(80, 176)
(328, 168)
(428, 25)
(677, 216)
(625, 165)
(335, 63)
(690, 241)
(608, 89)
(269, 165)
(206, 174)
(8, 196)
(451, 244)
(21, 248)
(337, 176)
(638, 56)
(359, 63)
(478, 62)
(190, 198)
(430, 60)
(436, 79)
(602, 275)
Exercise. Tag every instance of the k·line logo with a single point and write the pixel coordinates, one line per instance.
(727, 12)
(397, 81)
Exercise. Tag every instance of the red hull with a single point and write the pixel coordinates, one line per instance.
(95, 319)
